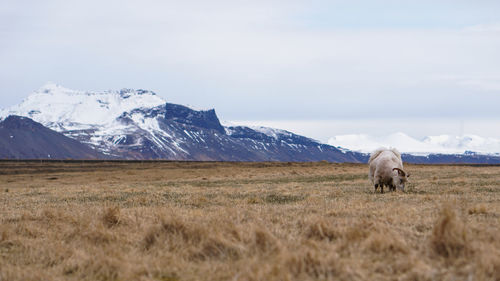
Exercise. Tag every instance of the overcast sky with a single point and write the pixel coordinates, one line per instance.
(280, 61)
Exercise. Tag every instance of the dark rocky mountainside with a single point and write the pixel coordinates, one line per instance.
(181, 133)
(23, 138)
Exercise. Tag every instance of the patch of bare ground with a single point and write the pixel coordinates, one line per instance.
(245, 221)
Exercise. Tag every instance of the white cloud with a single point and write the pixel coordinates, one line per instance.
(487, 84)
(492, 27)
(254, 59)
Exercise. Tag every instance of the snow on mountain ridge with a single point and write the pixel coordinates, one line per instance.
(271, 132)
(126, 121)
(136, 119)
(442, 144)
(64, 109)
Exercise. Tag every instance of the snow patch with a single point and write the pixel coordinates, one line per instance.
(53, 105)
(442, 144)
(271, 132)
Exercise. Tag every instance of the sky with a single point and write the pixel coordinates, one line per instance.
(318, 67)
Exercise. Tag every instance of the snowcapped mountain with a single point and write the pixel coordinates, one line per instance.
(443, 144)
(96, 119)
(138, 124)
(55, 106)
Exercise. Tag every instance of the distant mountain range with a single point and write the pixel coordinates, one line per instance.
(137, 124)
(442, 144)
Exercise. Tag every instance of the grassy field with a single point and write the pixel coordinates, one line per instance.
(245, 221)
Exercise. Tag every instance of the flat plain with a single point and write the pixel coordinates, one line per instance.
(245, 221)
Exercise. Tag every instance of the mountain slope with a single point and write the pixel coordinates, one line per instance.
(22, 138)
(137, 124)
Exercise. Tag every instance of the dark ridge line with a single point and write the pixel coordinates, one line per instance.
(230, 162)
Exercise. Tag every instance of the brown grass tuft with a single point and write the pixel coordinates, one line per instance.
(264, 241)
(449, 236)
(100, 266)
(321, 229)
(111, 216)
(4, 235)
(386, 243)
(174, 226)
(311, 264)
(479, 209)
(487, 263)
(172, 229)
(358, 230)
(218, 248)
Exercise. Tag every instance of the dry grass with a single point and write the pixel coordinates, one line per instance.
(245, 221)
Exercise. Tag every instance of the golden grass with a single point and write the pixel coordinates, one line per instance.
(245, 221)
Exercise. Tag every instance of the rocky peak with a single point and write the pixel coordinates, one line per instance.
(204, 118)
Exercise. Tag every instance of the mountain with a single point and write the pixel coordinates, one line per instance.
(443, 144)
(466, 158)
(23, 138)
(138, 124)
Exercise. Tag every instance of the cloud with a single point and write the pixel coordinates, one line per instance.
(489, 28)
(256, 59)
